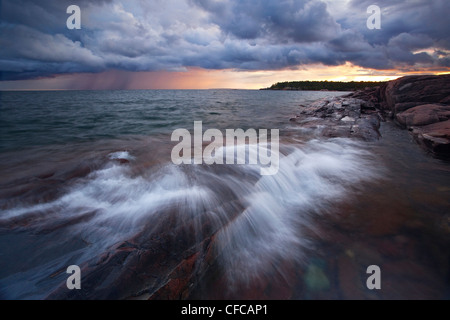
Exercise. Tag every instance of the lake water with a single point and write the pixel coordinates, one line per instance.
(336, 206)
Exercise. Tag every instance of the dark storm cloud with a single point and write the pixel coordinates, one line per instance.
(410, 30)
(298, 21)
(44, 15)
(140, 35)
(418, 17)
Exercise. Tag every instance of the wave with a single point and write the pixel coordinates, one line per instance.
(258, 220)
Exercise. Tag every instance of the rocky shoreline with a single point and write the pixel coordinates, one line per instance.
(343, 117)
(420, 104)
(170, 262)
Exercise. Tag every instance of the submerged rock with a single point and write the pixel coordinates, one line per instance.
(316, 279)
(349, 278)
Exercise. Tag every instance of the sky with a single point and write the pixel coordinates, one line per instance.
(204, 44)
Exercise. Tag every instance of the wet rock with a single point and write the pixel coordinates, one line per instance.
(407, 280)
(396, 247)
(421, 104)
(444, 224)
(348, 119)
(162, 267)
(424, 115)
(418, 103)
(122, 157)
(401, 107)
(180, 280)
(366, 128)
(435, 138)
(275, 285)
(337, 131)
(340, 117)
(315, 278)
(123, 161)
(349, 278)
(415, 89)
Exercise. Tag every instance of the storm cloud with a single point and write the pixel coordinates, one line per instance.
(173, 35)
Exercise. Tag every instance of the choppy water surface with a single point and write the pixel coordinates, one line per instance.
(82, 172)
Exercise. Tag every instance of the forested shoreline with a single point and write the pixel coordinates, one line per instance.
(324, 85)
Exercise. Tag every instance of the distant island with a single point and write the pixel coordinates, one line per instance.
(324, 85)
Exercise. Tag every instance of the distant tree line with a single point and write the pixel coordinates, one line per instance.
(324, 85)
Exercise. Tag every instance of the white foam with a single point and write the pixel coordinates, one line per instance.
(311, 178)
(121, 155)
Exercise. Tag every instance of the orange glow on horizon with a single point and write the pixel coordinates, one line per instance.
(197, 78)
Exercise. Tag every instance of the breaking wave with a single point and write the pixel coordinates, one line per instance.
(257, 219)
